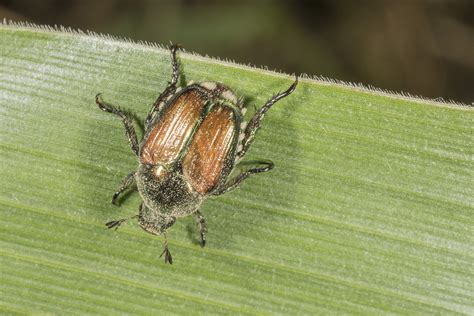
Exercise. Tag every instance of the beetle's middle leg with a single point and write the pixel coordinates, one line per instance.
(256, 120)
(127, 122)
(263, 166)
(201, 222)
(126, 183)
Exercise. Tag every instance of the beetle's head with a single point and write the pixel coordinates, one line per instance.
(154, 222)
(166, 191)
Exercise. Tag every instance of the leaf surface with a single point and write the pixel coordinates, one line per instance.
(369, 209)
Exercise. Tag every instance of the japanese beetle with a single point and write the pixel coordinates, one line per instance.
(194, 137)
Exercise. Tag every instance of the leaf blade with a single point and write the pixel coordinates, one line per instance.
(369, 208)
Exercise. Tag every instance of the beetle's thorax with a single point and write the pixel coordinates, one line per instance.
(166, 191)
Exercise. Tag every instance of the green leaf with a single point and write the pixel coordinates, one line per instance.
(369, 209)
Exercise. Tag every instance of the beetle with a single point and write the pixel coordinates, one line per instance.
(193, 139)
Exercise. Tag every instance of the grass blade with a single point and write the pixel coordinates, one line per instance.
(369, 208)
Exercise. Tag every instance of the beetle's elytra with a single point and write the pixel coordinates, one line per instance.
(194, 137)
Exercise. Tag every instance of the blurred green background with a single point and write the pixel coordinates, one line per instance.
(420, 47)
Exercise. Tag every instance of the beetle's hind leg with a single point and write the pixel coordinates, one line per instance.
(201, 222)
(116, 224)
(127, 122)
(256, 120)
(174, 64)
(126, 183)
(169, 90)
(263, 166)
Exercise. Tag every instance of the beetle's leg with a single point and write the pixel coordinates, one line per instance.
(256, 120)
(174, 65)
(118, 222)
(201, 222)
(126, 182)
(127, 122)
(166, 252)
(169, 90)
(264, 166)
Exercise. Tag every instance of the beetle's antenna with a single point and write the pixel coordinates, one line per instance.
(118, 222)
(166, 252)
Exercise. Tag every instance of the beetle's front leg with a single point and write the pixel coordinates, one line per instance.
(166, 252)
(127, 122)
(126, 183)
(116, 223)
(265, 165)
(256, 120)
(201, 222)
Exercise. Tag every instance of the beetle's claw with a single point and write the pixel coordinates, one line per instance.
(292, 87)
(167, 253)
(175, 47)
(115, 223)
(101, 104)
(114, 198)
(202, 242)
(98, 99)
